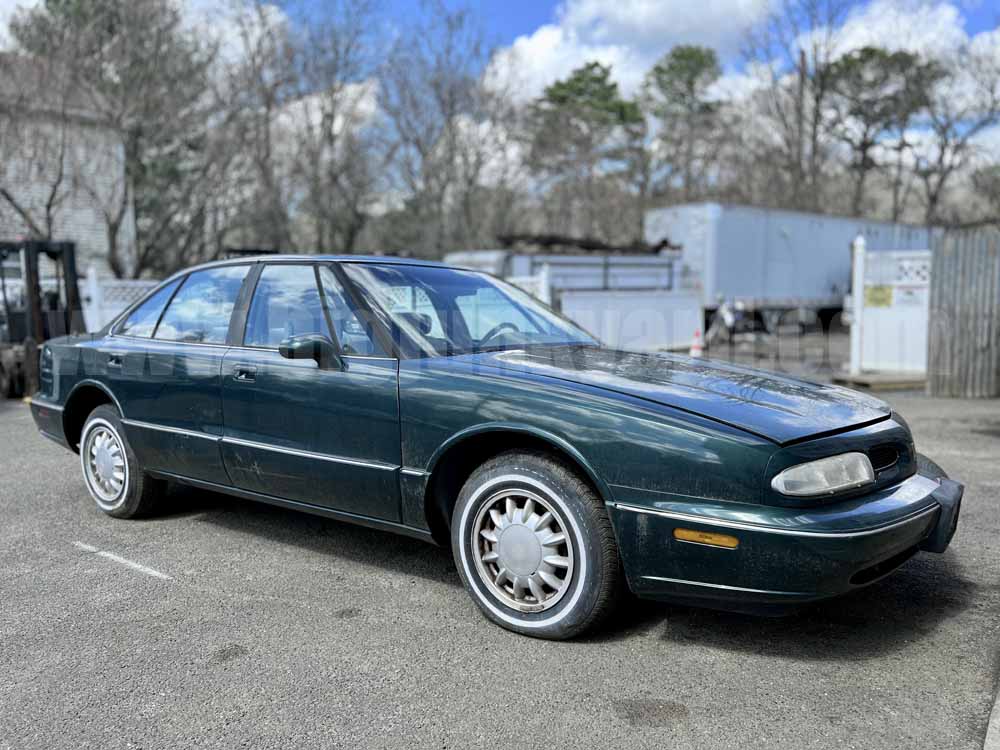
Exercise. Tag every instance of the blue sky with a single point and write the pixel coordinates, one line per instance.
(505, 20)
(549, 38)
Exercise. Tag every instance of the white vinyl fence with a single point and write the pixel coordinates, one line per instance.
(104, 298)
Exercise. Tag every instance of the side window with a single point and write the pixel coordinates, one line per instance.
(285, 303)
(142, 320)
(354, 337)
(200, 311)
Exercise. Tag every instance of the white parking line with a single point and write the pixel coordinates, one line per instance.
(992, 741)
(116, 558)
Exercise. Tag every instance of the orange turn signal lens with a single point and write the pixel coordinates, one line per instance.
(705, 537)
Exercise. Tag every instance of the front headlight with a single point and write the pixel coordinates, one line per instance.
(825, 476)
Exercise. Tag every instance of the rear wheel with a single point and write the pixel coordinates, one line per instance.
(112, 472)
(535, 548)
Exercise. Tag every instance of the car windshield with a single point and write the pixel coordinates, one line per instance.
(444, 311)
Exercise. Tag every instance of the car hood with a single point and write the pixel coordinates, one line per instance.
(774, 406)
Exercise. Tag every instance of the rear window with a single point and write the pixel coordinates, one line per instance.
(142, 320)
(199, 313)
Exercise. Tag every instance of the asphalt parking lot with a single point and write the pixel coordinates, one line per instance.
(250, 626)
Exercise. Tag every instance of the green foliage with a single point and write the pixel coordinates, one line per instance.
(676, 93)
(879, 88)
(582, 133)
(876, 93)
(590, 94)
(678, 84)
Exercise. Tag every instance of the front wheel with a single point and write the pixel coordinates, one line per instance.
(112, 472)
(534, 546)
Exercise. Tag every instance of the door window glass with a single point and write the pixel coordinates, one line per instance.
(354, 336)
(413, 303)
(286, 303)
(142, 320)
(487, 310)
(200, 311)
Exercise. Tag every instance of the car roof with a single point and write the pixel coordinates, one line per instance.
(318, 258)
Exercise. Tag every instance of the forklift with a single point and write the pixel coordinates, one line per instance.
(31, 315)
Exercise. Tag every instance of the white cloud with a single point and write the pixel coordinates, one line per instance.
(655, 25)
(227, 21)
(987, 145)
(8, 9)
(629, 35)
(737, 85)
(355, 105)
(934, 29)
(931, 28)
(552, 52)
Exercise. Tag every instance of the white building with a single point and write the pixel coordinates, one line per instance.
(62, 169)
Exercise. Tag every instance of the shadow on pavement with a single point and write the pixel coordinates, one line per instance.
(870, 622)
(314, 533)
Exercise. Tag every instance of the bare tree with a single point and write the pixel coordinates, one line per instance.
(441, 120)
(676, 93)
(260, 87)
(796, 44)
(40, 108)
(963, 104)
(336, 154)
(142, 75)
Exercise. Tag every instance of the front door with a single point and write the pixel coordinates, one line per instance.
(326, 437)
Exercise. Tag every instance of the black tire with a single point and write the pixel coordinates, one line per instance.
(138, 494)
(927, 468)
(591, 582)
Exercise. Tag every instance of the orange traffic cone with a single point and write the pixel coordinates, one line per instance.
(696, 346)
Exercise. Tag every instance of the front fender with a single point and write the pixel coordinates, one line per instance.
(558, 442)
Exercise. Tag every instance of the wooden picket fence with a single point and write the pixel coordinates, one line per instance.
(964, 336)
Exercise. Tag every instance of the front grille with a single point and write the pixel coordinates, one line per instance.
(883, 457)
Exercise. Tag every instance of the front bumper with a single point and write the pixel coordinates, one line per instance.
(785, 556)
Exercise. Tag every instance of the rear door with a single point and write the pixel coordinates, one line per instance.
(165, 370)
(295, 431)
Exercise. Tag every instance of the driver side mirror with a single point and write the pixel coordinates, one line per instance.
(313, 346)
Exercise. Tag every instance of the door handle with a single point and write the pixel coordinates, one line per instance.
(114, 360)
(244, 373)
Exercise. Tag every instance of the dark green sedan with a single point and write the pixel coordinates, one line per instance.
(447, 405)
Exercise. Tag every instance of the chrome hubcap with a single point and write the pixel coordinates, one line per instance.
(105, 463)
(522, 551)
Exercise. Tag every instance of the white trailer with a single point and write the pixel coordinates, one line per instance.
(768, 260)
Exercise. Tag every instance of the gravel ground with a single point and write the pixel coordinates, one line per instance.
(275, 629)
